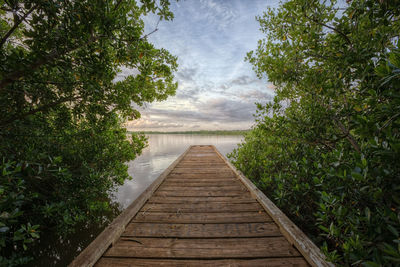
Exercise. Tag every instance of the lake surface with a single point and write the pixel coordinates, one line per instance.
(162, 150)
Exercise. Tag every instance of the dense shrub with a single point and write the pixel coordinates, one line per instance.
(63, 145)
(326, 150)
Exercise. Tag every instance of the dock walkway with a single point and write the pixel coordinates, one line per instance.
(201, 212)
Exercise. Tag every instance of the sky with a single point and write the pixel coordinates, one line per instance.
(217, 88)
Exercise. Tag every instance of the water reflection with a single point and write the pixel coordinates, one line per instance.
(55, 250)
(163, 149)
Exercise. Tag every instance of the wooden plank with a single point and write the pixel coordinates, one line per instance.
(237, 187)
(207, 169)
(221, 217)
(200, 178)
(196, 183)
(265, 262)
(202, 207)
(230, 175)
(199, 182)
(202, 161)
(202, 170)
(95, 249)
(224, 176)
(201, 154)
(294, 235)
(202, 248)
(203, 158)
(202, 167)
(171, 200)
(214, 193)
(197, 164)
(201, 230)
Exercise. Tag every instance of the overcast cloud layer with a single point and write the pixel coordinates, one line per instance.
(217, 88)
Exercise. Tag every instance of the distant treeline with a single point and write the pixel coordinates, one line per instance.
(204, 132)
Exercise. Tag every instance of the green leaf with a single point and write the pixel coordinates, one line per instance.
(393, 230)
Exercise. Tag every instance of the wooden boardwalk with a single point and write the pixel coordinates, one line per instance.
(201, 212)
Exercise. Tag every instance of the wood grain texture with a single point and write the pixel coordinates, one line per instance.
(198, 182)
(230, 175)
(210, 207)
(183, 187)
(203, 193)
(266, 262)
(215, 172)
(172, 200)
(201, 230)
(221, 217)
(202, 248)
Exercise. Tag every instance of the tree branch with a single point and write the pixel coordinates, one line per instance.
(15, 26)
(347, 134)
(45, 107)
(332, 28)
(53, 55)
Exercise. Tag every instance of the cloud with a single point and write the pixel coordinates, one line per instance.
(243, 80)
(190, 93)
(219, 110)
(218, 13)
(228, 110)
(256, 96)
(186, 74)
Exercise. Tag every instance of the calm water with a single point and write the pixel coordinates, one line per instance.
(163, 149)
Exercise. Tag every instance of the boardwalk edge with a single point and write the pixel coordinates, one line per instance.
(294, 235)
(93, 252)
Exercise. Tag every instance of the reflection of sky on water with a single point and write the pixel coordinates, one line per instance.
(163, 149)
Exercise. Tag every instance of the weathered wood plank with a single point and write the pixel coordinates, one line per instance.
(196, 183)
(202, 165)
(202, 207)
(185, 170)
(222, 217)
(203, 175)
(201, 155)
(201, 230)
(202, 161)
(201, 158)
(294, 235)
(265, 262)
(200, 178)
(197, 163)
(202, 248)
(171, 200)
(201, 193)
(236, 187)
